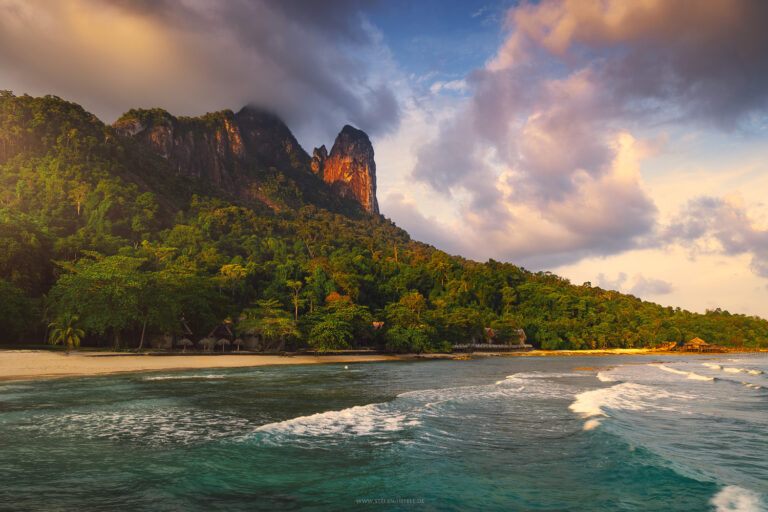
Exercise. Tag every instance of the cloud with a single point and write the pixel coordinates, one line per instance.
(638, 284)
(644, 287)
(711, 225)
(312, 63)
(455, 86)
(705, 60)
(546, 155)
(611, 284)
(419, 226)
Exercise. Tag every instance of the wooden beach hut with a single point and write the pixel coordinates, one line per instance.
(699, 345)
(223, 330)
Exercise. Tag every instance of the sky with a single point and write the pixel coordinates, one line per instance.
(619, 142)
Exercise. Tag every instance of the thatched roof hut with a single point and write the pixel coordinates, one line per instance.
(223, 330)
(207, 343)
(699, 345)
(185, 342)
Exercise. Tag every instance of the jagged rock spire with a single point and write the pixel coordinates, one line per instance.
(350, 168)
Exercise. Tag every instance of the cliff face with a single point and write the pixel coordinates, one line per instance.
(218, 147)
(350, 168)
(225, 148)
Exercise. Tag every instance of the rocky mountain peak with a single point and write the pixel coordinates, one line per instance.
(220, 147)
(319, 156)
(350, 168)
(224, 147)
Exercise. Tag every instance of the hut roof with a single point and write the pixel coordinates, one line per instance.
(696, 342)
(221, 330)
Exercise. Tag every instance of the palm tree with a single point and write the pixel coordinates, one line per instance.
(63, 331)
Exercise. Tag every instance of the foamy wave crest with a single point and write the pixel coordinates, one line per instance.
(736, 499)
(753, 386)
(625, 396)
(690, 375)
(742, 370)
(362, 420)
(184, 377)
(732, 370)
(602, 377)
(591, 424)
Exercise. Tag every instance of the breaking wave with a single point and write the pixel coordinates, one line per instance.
(362, 420)
(185, 377)
(737, 499)
(602, 377)
(690, 375)
(713, 366)
(627, 396)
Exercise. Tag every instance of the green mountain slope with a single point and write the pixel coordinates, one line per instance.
(114, 229)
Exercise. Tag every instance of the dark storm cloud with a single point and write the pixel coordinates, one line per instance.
(311, 62)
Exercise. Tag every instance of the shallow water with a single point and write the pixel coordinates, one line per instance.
(491, 434)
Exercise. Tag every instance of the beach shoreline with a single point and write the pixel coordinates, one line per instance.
(21, 365)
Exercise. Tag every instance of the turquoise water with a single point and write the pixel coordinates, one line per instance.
(528, 434)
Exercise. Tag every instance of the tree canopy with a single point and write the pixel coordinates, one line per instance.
(93, 225)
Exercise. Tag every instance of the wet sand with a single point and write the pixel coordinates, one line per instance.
(40, 364)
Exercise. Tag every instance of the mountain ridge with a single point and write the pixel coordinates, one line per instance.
(83, 207)
(228, 149)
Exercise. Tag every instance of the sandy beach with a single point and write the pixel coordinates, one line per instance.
(41, 364)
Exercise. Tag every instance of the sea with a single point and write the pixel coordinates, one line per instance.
(591, 433)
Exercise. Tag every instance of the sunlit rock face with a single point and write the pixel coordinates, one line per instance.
(319, 156)
(219, 147)
(225, 148)
(350, 168)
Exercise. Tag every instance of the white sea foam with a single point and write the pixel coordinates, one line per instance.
(742, 370)
(360, 420)
(602, 377)
(185, 377)
(737, 499)
(732, 370)
(690, 375)
(625, 396)
(750, 385)
(591, 423)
